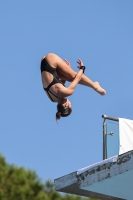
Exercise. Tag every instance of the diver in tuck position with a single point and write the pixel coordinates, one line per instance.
(55, 72)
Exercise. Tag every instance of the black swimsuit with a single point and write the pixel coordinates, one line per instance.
(46, 67)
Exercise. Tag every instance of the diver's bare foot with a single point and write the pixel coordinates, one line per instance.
(99, 89)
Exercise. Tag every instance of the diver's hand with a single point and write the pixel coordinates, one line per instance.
(80, 62)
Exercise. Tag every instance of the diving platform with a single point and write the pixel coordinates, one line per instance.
(110, 179)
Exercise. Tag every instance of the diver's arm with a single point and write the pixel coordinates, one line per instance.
(70, 90)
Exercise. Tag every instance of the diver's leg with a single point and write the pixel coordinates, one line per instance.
(84, 81)
(69, 73)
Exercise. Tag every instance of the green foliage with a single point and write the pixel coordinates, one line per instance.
(16, 183)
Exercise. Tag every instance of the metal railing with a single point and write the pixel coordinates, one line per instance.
(105, 117)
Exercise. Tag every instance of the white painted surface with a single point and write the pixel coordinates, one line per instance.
(112, 159)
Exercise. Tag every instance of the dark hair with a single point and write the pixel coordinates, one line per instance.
(63, 111)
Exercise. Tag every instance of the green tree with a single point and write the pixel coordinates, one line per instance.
(18, 184)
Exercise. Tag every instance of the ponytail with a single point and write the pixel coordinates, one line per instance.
(58, 115)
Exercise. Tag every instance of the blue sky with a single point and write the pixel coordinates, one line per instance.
(99, 32)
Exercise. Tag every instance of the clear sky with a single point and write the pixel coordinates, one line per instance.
(99, 32)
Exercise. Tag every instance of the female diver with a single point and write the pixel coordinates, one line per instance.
(54, 73)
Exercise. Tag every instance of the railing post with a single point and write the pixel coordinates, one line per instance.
(105, 133)
(104, 140)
